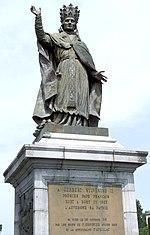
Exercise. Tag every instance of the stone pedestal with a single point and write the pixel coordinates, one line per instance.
(69, 184)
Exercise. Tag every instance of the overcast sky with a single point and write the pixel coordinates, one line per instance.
(117, 34)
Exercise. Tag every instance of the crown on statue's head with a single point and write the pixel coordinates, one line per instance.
(69, 11)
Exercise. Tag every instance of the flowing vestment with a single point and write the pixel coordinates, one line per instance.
(68, 94)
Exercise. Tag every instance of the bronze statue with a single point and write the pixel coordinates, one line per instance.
(71, 89)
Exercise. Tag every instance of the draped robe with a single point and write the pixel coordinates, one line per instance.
(68, 93)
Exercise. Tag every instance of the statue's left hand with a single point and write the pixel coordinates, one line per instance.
(100, 77)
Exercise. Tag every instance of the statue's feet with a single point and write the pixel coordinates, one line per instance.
(36, 133)
(42, 124)
(39, 127)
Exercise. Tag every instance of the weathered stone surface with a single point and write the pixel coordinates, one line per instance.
(52, 128)
(67, 160)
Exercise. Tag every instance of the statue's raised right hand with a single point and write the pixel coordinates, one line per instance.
(35, 11)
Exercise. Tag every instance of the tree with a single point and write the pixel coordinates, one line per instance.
(143, 230)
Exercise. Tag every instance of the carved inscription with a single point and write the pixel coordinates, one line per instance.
(85, 210)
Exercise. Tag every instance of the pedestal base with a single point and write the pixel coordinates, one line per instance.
(75, 184)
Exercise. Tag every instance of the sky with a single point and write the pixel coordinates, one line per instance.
(117, 34)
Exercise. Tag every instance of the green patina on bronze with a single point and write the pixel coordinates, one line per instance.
(70, 93)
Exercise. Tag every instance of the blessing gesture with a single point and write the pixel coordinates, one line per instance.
(35, 11)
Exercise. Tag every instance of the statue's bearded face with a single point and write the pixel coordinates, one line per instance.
(69, 24)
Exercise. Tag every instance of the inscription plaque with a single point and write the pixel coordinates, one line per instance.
(85, 210)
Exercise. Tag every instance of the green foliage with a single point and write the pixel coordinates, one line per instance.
(143, 231)
(141, 216)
